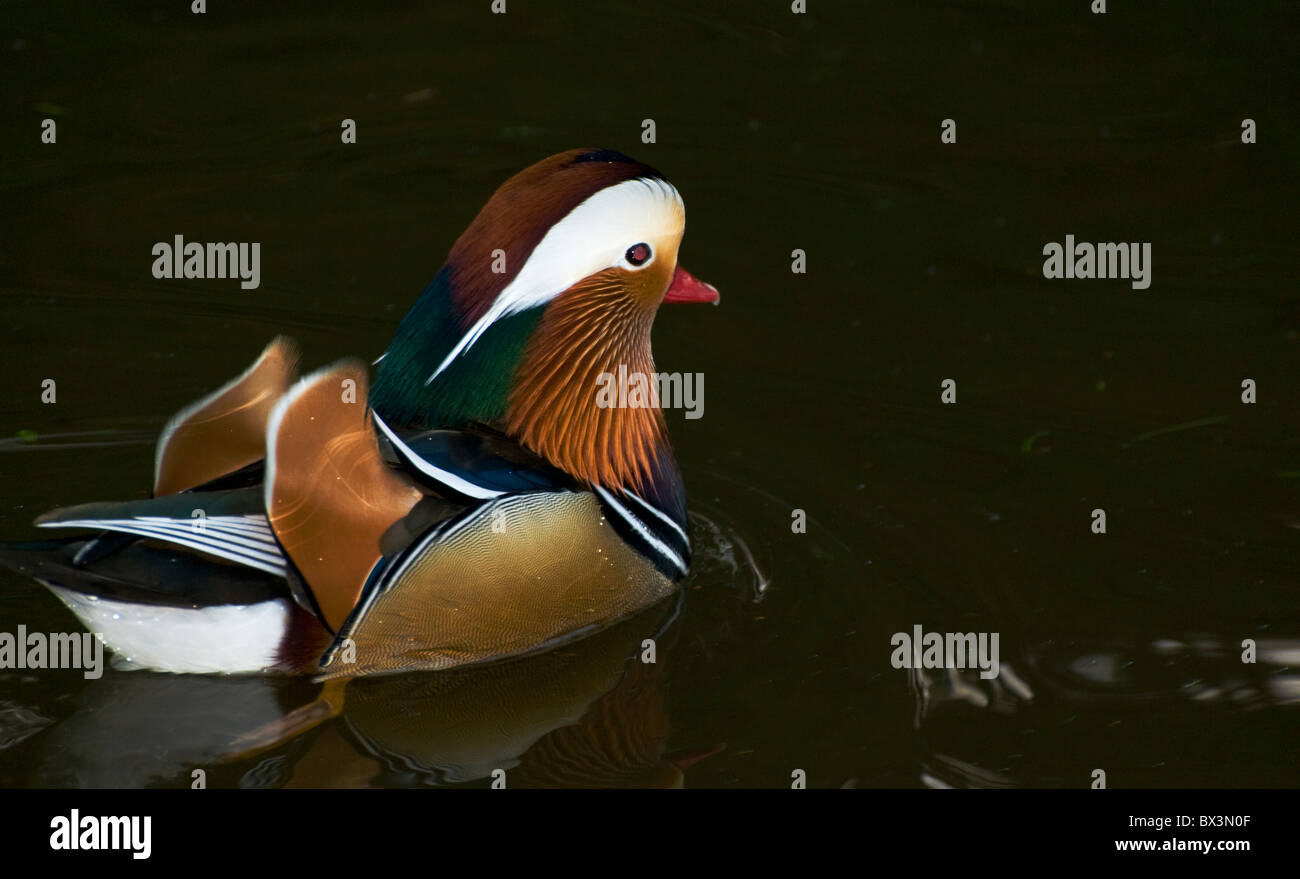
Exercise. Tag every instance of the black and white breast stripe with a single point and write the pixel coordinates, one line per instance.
(649, 529)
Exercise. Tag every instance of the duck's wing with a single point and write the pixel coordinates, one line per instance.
(330, 497)
(125, 568)
(229, 525)
(225, 431)
(314, 530)
(472, 465)
(176, 592)
(215, 444)
(318, 503)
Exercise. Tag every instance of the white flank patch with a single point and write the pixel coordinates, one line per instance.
(229, 638)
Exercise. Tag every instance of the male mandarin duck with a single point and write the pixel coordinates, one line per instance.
(475, 503)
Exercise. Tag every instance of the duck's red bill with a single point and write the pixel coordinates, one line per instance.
(688, 288)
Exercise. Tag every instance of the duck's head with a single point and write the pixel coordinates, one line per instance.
(555, 283)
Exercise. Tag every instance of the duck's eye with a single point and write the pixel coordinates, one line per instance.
(638, 254)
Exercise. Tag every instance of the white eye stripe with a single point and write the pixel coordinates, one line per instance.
(593, 237)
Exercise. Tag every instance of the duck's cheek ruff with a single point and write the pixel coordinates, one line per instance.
(593, 237)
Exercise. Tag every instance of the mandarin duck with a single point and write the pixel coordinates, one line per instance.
(474, 503)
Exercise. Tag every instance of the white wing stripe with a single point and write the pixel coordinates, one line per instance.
(185, 527)
(447, 478)
(184, 536)
(213, 525)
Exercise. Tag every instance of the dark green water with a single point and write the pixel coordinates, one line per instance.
(1119, 652)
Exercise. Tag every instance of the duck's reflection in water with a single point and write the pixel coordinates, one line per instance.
(588, 713)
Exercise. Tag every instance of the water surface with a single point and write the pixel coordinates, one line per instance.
(817, 132)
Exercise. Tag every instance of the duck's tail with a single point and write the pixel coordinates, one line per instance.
(143, 600)
(137, 580)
